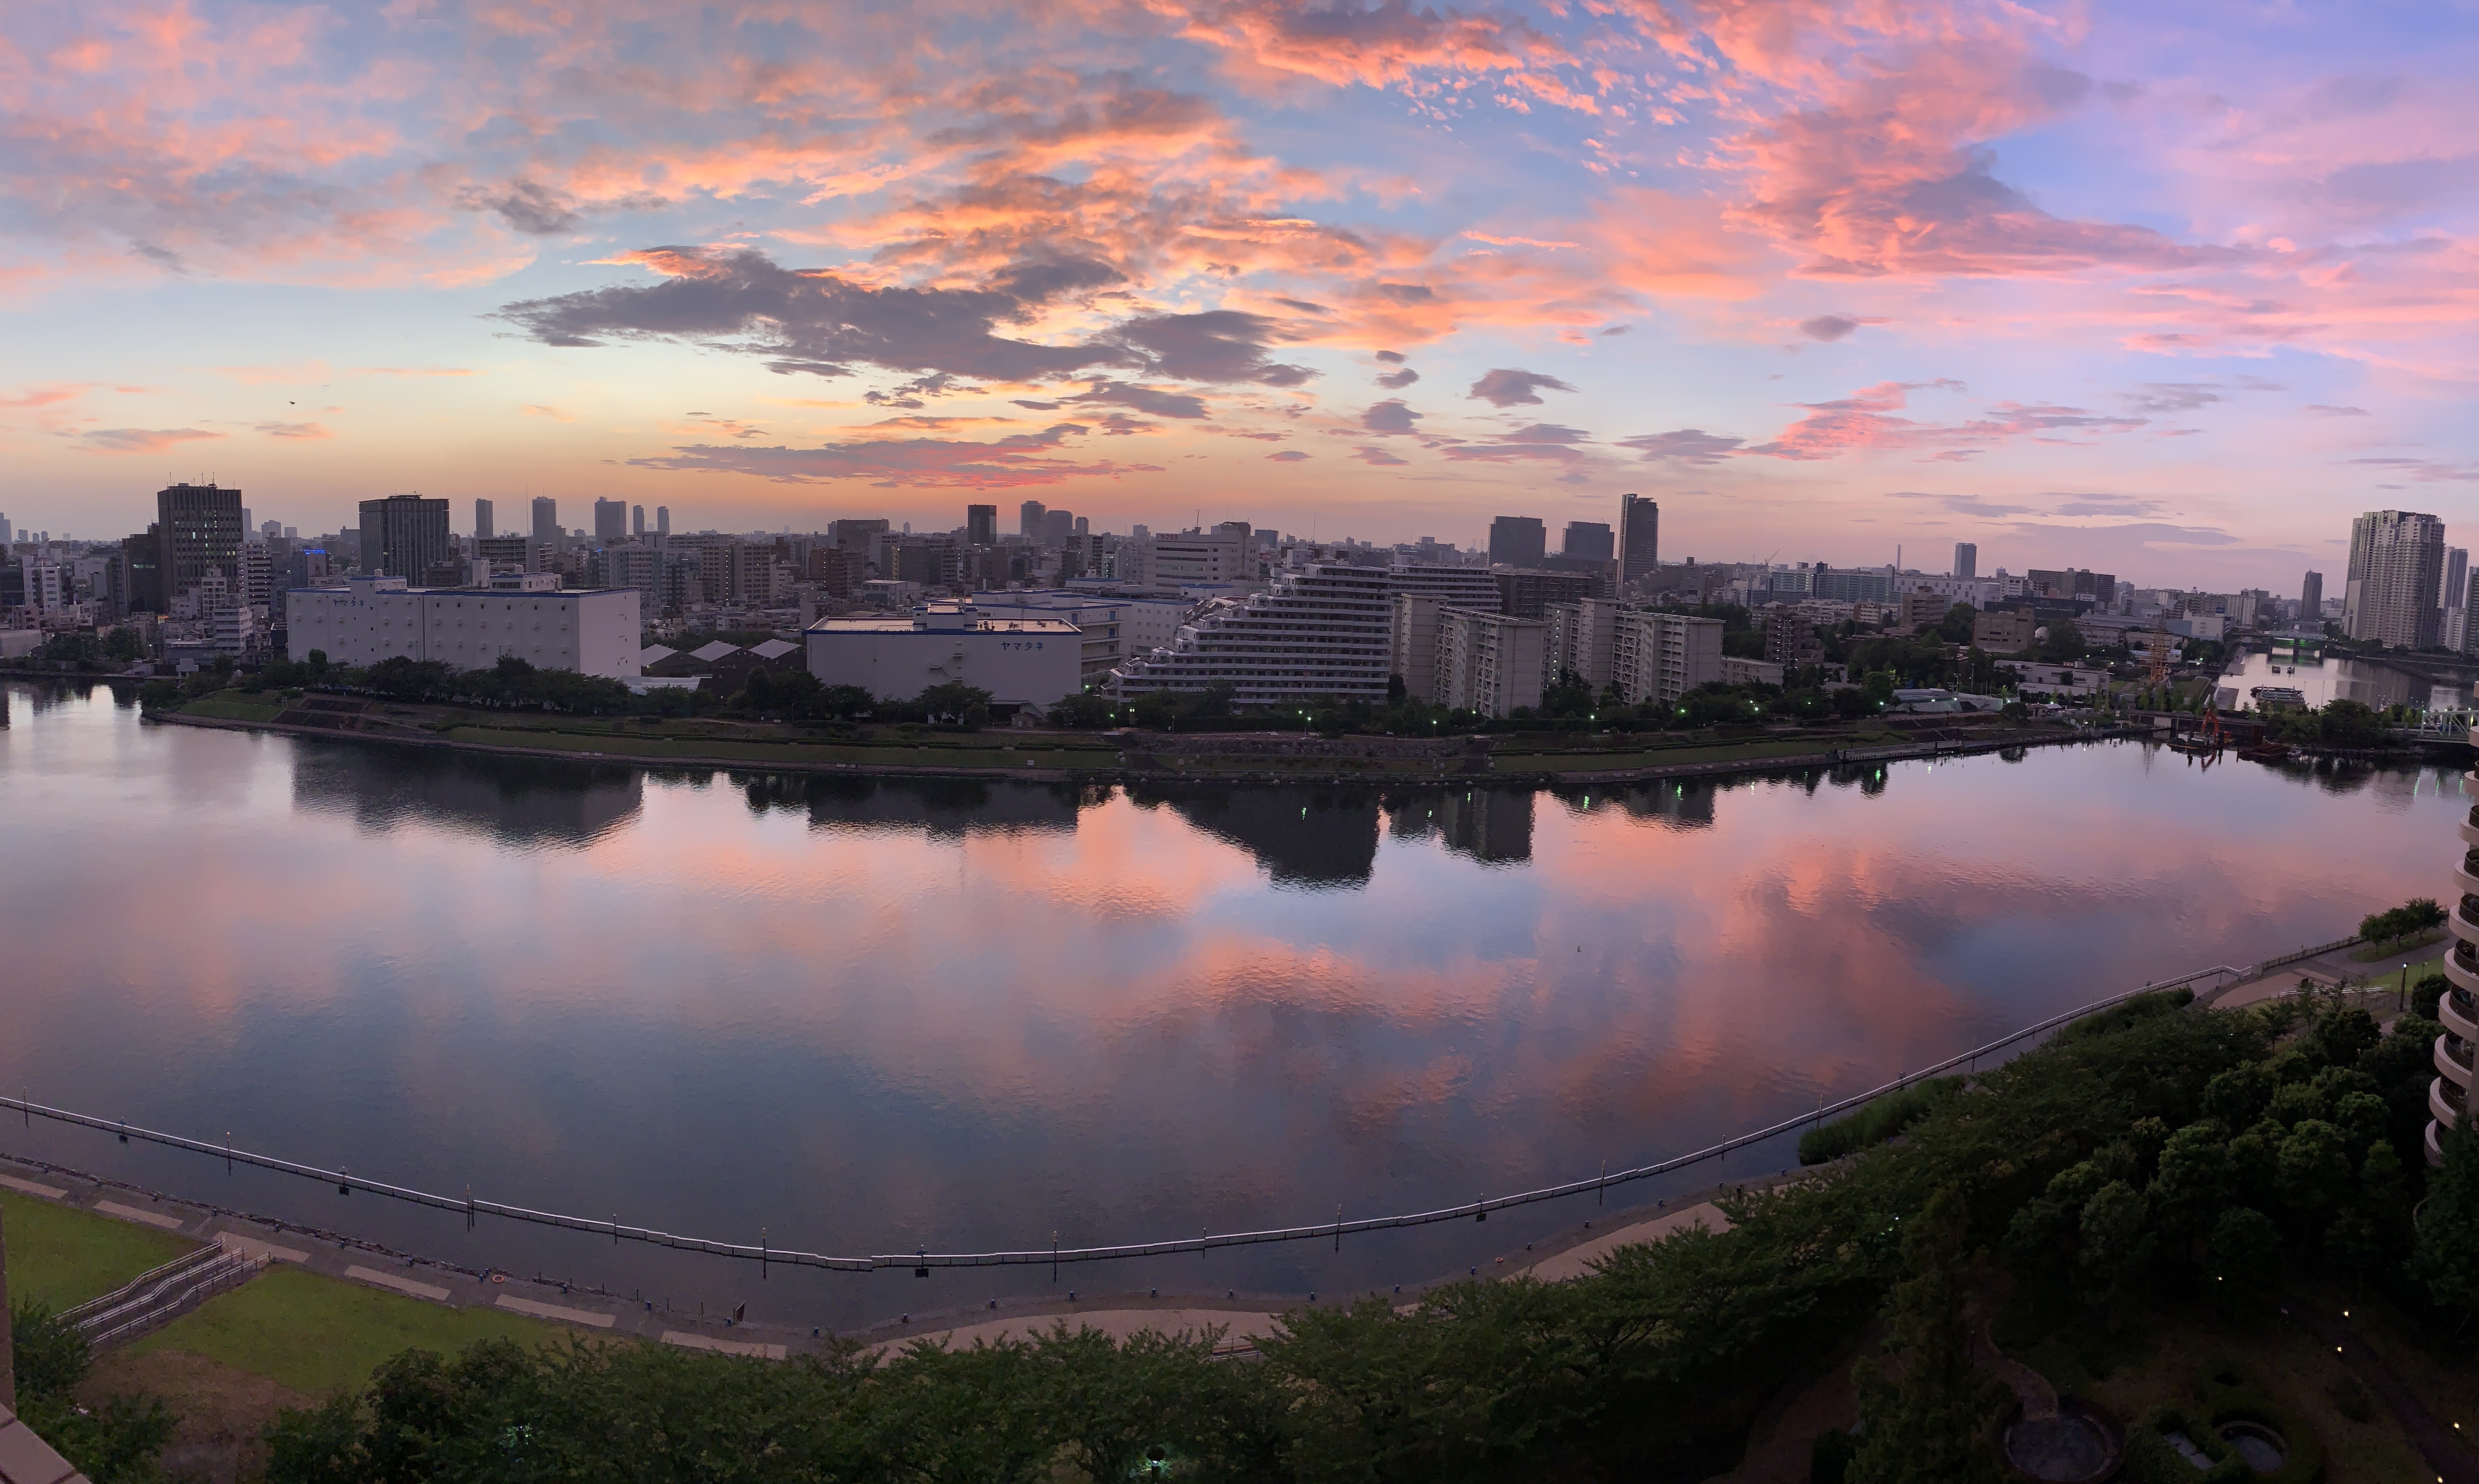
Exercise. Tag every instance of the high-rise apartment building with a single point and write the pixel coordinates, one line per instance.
(1490, 662)
(482, 525)
(1319, 634)
(405, 536)
(547, 523)
(610, 521)
(1028, 520)
(1057, 527)
(199, 530)
(662, 519)
(981, 526)
(1639, 539)
(1194, 556)
(2397, 567)
(637, 522)
(1517, 541)
(2451, 630)
(1662, 656)
(1966, 559)
(2310, 599)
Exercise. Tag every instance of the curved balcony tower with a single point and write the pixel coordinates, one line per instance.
(2459, 1010)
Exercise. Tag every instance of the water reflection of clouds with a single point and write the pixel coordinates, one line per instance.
(889, 1012)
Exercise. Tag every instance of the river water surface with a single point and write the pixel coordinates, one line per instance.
(875, 1018)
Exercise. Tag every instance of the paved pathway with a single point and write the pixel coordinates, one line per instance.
(2332, 968)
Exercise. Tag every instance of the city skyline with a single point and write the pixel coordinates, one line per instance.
(2075, 287)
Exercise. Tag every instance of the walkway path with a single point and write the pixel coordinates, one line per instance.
(2330, 968)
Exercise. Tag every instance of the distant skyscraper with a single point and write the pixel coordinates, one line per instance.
(662, 519)
(482, 527)
(1028, 520)
(1517, 541)
(198, 531)
(1966, 559)
(637, 522)
(405, 536)
(610, 521)
(2451, 630)
(2310, 599)
(981, 526)
(1639, 537)
(546, 519)
(1591, 541)
(2396, 569)
(1057, 526)
(3, 530)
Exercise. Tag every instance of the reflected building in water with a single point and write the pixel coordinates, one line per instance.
(1320, 838)
(939, 809)
(515, 801)
(1490, 824)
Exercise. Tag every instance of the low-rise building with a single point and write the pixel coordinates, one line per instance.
(369, 619)
(1020, 661)
(1736, 671)
(2004, 630)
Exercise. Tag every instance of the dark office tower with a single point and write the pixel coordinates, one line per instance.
(1589, 541)
(981, 526)
(1057, 526)
(482, 526)
(1966, 559)
(1639, 537)
(662, 519)
(198, 531)
(1517, 541)
(547, 521)
(146, 571)
(610, 521)
(1028, 520)
(637, 521)
(405, 536)
(2310, 599)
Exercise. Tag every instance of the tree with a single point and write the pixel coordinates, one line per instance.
(955, 701)
(2446, 1260)
(1931, 1421)
(2245, 1250)
(123, 645)
(2064, 642)
(1958, 623)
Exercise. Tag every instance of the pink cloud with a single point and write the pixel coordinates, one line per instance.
(140, 440)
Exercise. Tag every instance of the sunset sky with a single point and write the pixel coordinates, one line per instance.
(2168, 291)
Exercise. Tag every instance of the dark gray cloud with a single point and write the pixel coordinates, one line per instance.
(1545, 432)
(1397, 380)
(1287, 456)
(1393, 357)
(1389, 416)
(2172, 395)
(1686, 445)
(1120, 393)
(1827, 327)
(527, 206)
(1506, 387)
(932, 463)
(825, 324)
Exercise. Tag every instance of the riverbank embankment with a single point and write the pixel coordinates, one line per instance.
(1127, 757)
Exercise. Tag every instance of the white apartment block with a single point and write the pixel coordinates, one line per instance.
(1320, 632)
(1458, 587)
(1020, 661)
(1583, 637)
(1102, 621)
(526, 614)
(1226, 553)
(1490, 662)
(1412, 644)
(1661, 656)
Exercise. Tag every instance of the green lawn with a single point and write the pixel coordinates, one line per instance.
(62, 1256)
(227, 709)
(319, 1335)
(2396, 951)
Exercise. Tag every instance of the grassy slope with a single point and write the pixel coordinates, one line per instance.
(62, 1257)
(317, 1335)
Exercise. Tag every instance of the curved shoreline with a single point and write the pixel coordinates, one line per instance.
(1121, 773)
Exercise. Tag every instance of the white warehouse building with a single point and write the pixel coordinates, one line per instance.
(526, 614)
(1020, 661)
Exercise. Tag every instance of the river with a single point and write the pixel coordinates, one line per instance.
(875, 1016)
